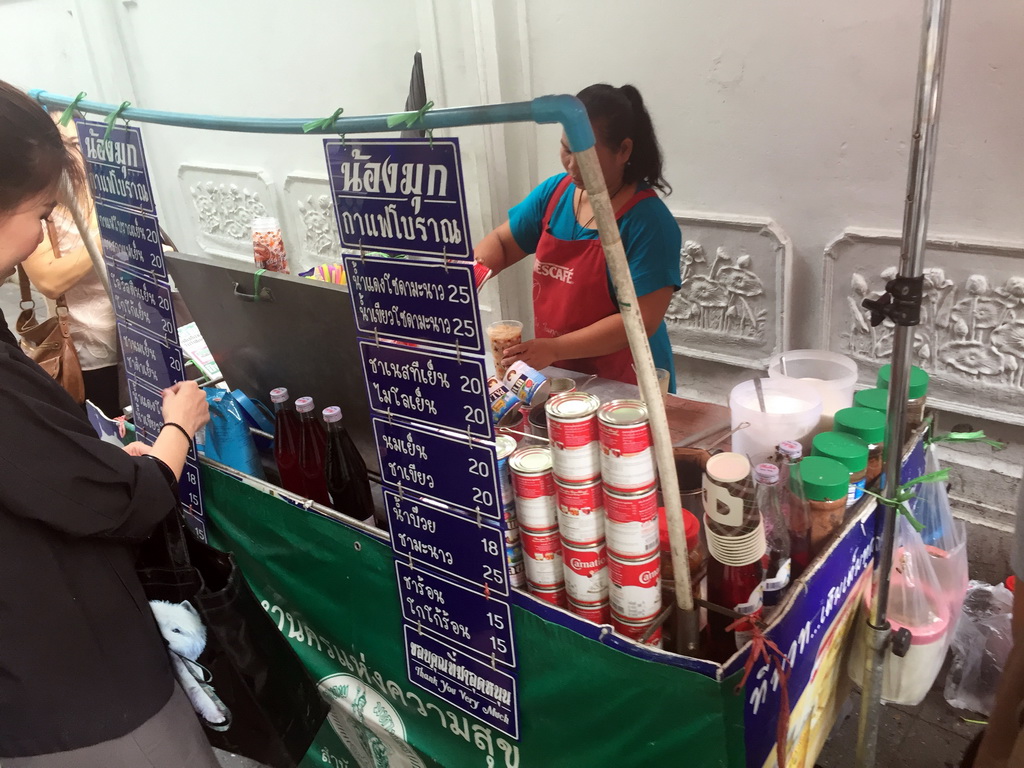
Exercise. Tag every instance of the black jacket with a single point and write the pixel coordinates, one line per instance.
(81, 658)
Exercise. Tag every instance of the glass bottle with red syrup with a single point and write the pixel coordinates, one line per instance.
(348, 484)
(794, 506)
(286, 443)
(736, 545)
(312, 452)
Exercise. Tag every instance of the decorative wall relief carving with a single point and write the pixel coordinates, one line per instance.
(311, 222)
(731, 307)
(223, 202)
(971, 335)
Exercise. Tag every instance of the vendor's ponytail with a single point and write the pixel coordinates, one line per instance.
(619, 114)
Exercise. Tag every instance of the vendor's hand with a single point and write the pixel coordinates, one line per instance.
(537, 353)
(138, 449)
(185, 405)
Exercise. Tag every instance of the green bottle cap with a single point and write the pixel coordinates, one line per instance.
(875, 399)
(865, 423)
(823, 479)
(918, 381)
(848, 450)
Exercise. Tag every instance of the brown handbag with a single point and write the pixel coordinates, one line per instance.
(49, 343)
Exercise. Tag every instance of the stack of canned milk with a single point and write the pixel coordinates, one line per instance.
(513, 547)
(588, 512)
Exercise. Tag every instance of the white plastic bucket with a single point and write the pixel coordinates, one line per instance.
(832, 374)
(792, 412)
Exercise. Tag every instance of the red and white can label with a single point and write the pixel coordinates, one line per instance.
(599, 613)
(581, 513)
(631, 507)
(633, 540)
(635, 590)
(634, 630)
(579, 464)
(627, 459)
(586, 573)
(539, 514)
(542, 558)
(553, 595)
(533, 486)
(572, 433)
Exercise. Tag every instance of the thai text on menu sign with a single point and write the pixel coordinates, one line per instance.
(400, 207)
(141, 292)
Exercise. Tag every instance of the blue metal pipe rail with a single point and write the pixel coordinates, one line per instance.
(564, 109)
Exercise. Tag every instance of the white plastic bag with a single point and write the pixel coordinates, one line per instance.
(981, 646)
(944, 537)
(918, 604)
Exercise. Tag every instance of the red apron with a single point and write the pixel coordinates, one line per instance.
(570, 291)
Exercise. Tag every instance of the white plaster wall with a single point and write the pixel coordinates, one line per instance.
(802, 111)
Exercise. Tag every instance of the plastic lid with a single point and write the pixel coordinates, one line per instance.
(823, 479)
(791, 449)
(737, 550)
(848, 450)
(918, 380)
(264, 223)
(304, 404)
(332, 413)
(875, 399)
(279, 395)
(690, 523)
(766, 474)
(728, 467)
(865, 423)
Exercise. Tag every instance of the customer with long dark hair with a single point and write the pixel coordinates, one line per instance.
(85, 679)
(577, 324)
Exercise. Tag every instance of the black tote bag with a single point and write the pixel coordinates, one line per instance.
(276, 708)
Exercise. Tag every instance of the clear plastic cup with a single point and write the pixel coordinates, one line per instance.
(503, 334)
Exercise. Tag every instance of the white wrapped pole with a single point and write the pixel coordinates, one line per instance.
(650, 391)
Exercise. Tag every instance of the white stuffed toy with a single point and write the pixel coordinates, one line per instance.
(186, 638)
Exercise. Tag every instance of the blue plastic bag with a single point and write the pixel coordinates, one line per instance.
(227, 437)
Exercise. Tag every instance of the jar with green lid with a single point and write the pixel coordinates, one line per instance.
(917, 394)
(875, 399)
(826, 485)
(851, 452)
(869, 426)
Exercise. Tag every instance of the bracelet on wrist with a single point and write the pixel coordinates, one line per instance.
(179, 428)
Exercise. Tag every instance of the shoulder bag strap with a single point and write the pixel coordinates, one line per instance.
(61, 302)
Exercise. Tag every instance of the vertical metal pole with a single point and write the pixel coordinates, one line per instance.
(915, 231)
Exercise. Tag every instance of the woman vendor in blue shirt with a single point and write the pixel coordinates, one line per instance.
(577, 324)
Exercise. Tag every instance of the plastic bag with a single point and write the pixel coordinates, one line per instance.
(981, 646)
(944, 537)
(227, 438)
(918, 604)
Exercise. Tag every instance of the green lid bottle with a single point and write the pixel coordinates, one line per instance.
(865, 423)
(875, 399)
(849, 450)
(918, 381)
(823, 479)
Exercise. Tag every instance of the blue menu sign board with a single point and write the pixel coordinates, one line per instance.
(450, 542)
(399, 195)
(116, 166)
(148, 360)
(450, 468)
(143, 303)
(415, 301)
(131, 239)
(147, 410)
(486, 692)
(470, 619)
(427, 387)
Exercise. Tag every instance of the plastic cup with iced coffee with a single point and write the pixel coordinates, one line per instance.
(503, 334)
